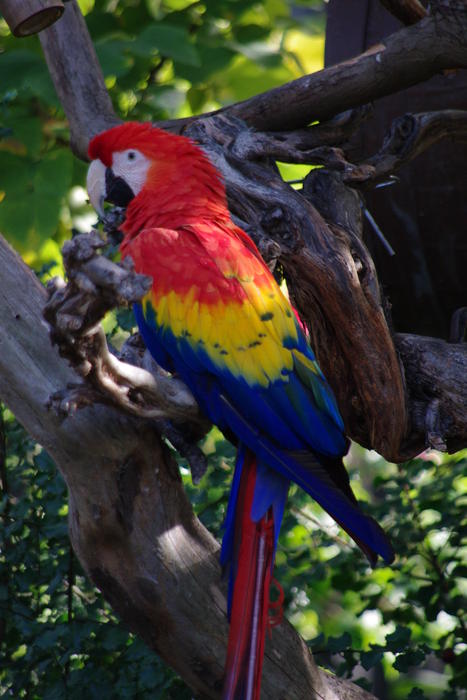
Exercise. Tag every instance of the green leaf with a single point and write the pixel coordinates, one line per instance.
(169, 41)
(165, 99)
(24, 70)
(55, 691)
(317, 642)
(49, 638)
(115, 638)
(410, 658)
(18, 69)
(399, 639)
(338, 644)
(25, 129)
(368, 659)
(126, 319)
(34, 191)
(113, 57)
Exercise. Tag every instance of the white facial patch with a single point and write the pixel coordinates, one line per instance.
(132, 167)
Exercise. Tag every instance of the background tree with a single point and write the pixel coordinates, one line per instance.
(130, 523)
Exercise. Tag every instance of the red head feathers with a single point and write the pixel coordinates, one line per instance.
(166, 172)
(144, 137)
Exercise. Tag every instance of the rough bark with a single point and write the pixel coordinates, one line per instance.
(339, 306)
(25, 17)
(317, 237)
(359, 357)
(131, 524)
(409, 136)
(437, 388)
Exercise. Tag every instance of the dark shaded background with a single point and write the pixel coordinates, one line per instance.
(424, 216)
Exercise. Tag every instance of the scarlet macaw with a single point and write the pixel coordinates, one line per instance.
(216, 316)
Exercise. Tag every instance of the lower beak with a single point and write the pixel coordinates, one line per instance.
(95, 183)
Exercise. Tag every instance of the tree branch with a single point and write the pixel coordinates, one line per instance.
(74, 312)
(131, 524)
(346, 315)
(435, 43)
(408, 137)
(436, 376)
(132, 381)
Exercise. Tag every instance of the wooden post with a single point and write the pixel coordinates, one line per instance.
(25, 17)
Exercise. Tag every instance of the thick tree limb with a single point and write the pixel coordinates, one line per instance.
(132, 381)
(359, 353)
(334, 285)
(436, 375)
(342, 309)
(435, 43)
(131, 524)
(351, 330)
(74, 311)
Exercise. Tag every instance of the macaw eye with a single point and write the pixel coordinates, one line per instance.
(131, 155)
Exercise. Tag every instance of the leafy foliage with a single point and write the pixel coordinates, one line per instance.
(58, 638)
(409, 617)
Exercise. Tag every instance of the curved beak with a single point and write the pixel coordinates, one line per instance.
(95, 184)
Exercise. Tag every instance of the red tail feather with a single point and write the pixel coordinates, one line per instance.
(249, 616)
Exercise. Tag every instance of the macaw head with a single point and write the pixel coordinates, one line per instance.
(138, 166)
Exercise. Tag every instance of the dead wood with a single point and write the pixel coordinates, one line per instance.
(435, 43)
(74, 312)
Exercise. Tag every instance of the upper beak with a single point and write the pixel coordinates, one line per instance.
(95, 183)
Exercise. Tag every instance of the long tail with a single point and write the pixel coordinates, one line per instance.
(329, 486)
(252, 526)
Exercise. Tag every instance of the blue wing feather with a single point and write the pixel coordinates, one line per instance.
(281, 424)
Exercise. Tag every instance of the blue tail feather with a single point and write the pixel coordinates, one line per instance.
(313, 478)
